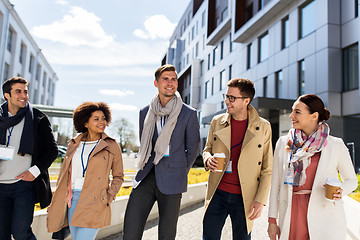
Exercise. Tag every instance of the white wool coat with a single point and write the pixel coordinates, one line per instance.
(326, 219)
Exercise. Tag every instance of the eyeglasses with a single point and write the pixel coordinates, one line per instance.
(231, 98)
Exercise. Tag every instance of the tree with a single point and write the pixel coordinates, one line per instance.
(125, 132)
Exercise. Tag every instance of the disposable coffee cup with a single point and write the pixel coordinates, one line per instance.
(331, 187)
(220, 157)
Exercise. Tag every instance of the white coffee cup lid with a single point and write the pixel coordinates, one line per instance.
(333, 182)
(219, 155)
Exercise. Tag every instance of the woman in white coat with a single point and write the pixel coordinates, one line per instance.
(303, 159)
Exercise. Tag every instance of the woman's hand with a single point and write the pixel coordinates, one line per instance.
(338, 195)
(273, 231)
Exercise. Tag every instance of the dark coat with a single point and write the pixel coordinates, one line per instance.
(45, 152)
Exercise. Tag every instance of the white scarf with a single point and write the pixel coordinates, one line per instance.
(172, 109)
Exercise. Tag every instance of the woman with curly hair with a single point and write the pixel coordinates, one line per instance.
(83, 193)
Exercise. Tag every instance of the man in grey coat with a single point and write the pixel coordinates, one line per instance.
(169, 142)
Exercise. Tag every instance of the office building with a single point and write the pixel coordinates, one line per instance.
(286, 47)
(20, 56)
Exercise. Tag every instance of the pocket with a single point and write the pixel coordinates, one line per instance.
(104, 198)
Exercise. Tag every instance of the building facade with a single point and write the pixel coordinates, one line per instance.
(20, 56)
(286, 47)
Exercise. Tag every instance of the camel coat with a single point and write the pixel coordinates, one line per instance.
(326, 219)
(93, 208)
(255, 160)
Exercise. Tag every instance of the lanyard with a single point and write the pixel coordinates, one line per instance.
(82, 159)
(247, 123)
(10, 130)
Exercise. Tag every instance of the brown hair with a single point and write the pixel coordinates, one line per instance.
(164, 68)
(7, 85)
(245, 86)
(315, 104)
(83, 112)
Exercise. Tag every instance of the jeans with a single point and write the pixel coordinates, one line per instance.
(79, 233)
(17, 202)
(222, 205)
(140, 204)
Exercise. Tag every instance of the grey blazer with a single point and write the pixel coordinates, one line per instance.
(171, 172)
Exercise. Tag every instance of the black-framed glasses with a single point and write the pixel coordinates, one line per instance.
(231, 98)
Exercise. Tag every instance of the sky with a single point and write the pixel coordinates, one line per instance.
(103, 50)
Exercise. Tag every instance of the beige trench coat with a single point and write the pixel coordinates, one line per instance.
(255, 161)
(93, 208)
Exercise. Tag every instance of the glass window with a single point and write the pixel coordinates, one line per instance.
(212, 85)
(221, 50)
(301, 65)
(209, 60)
(22, 52)
(224, 14)
(216, 55)
(197, 49)
(9, 39)
(31, 63)
(263, 47)
(206, 89)
(231, 43)
(261, 4)
(222, 80)
(230, 72)
(6, 72)
(248, 59)
(38, 69)
(265, 87)
(356, 8)
(351, 67)
(203, 19)
(192, 32)
(285, 32)
(279, 84)
(307, 19)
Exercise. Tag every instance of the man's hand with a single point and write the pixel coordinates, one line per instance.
(273, 231)
(255, 210)
(212, 163)
(26, 176)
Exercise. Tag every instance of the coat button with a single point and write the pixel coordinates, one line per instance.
(258, 179)
(214, 138)
(107, 204)
(259, 163)
(259, 146)
(257, 128)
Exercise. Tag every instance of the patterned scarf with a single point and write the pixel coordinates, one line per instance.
(301, 150)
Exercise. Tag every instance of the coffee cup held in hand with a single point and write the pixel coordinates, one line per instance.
(331, 187)
(220, 157)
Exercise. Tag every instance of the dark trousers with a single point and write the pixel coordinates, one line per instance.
(17, 202)
(139, 206)
(222, 205)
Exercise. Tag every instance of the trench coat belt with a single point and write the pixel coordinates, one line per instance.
(302, 192)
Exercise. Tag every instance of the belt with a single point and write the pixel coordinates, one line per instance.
(303, 192)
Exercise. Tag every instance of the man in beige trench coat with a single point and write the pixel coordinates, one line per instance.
(241, 188)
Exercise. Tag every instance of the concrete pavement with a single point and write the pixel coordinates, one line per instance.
(190, 226)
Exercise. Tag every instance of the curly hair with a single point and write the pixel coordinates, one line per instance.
(82, 114)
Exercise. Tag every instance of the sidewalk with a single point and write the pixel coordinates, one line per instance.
(190, 226)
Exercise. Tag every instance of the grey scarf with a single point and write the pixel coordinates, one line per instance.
(172, 109)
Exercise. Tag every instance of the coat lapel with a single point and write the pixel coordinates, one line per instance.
(224, 134)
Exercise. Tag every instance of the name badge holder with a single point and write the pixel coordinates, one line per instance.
(6, 151)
